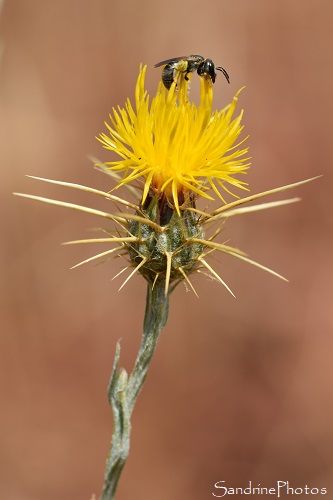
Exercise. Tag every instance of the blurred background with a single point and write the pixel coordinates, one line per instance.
(239, 389)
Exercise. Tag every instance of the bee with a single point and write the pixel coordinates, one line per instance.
(188, 64)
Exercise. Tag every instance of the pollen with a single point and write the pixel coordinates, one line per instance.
(176, 148)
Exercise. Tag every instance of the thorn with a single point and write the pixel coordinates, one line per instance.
(133, 272)
(155, 279)
(254, 208)
(87, 189)
(124, 239)
(168, 272)
(96, 257)
(143, 220)
(188, 280)
(120, 272)
(218, 246)
(214, 273)
(260, 195)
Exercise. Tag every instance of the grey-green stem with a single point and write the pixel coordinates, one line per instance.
(123, 390)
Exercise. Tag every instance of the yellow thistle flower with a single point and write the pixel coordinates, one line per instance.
(181, 151)
(177, 147)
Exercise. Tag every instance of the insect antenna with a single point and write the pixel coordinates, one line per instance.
(219, 68)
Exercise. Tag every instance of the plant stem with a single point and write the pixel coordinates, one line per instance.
(123, 390)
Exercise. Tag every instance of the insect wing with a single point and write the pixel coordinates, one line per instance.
(192, 58)
(170, 61)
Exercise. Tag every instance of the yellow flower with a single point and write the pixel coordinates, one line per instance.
(177, 147)
(181, 151)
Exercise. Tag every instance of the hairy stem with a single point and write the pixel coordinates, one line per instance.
(123, 390)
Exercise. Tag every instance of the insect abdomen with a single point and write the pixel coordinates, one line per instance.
(167, 75)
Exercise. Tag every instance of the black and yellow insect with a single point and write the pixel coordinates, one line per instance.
(188, 64)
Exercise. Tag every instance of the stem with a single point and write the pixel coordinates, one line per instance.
(123, 391)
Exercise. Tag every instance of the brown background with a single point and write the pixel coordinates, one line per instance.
(239, 389)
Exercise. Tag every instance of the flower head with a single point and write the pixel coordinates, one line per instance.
(179, 149)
